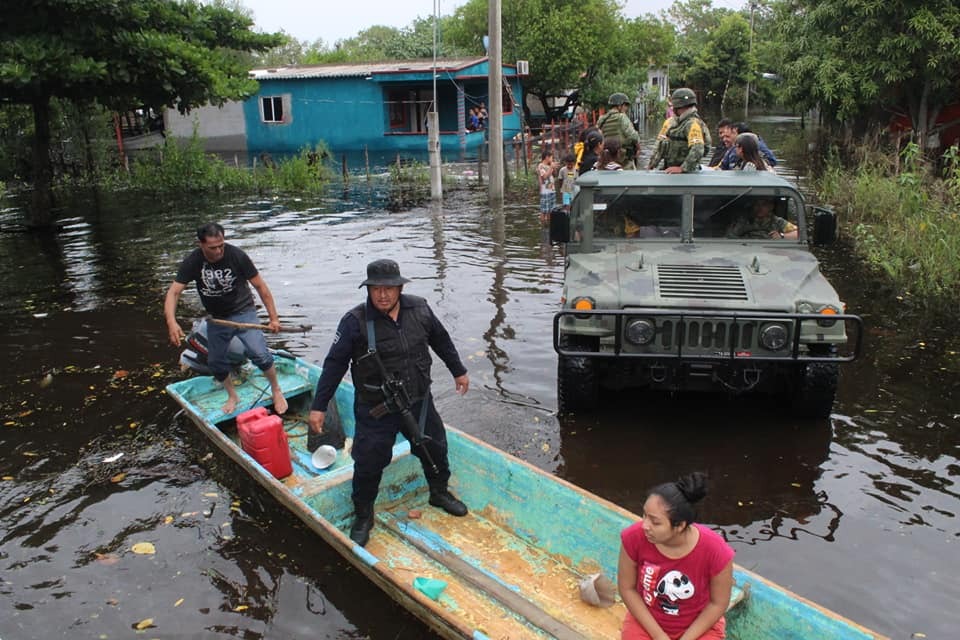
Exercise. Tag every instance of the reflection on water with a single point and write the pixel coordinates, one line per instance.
(873, 490)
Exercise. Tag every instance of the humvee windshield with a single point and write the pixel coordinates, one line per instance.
(619, 214)
(622, 213)
(741, 217)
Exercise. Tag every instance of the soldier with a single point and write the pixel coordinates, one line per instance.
(762, 224)
(683, 138)
(616, 123)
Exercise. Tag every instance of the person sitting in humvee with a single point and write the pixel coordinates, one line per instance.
(761, 223)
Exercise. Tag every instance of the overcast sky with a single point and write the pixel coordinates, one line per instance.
(332, 20)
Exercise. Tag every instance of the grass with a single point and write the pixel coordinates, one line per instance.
(903, 218)
(188, 168)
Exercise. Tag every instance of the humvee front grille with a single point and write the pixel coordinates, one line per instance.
(688, 334)
(713, 282)
(695, 334)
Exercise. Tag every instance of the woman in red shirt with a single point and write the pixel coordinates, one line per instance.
(675, 576)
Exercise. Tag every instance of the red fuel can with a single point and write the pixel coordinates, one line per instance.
(262, 436)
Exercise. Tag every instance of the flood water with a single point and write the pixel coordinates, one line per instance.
(857, 513)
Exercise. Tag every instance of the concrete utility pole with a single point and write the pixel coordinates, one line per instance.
(746, 97)
(433, 124)
(495, 110)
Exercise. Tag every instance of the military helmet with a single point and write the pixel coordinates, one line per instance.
(617, 99)
(683, 97)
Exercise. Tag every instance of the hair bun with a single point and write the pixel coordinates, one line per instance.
(693, 486)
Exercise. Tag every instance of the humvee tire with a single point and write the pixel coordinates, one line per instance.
(815, 390)
(578, 382)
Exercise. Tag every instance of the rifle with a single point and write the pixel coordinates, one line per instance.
(397, 400)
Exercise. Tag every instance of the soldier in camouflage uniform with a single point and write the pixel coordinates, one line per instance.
(683, 138)
(616, 123)
(762, 224)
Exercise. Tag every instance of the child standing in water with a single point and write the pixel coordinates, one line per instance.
(548, 185)
(567, 178)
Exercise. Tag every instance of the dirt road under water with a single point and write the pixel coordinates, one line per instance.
(858, 513)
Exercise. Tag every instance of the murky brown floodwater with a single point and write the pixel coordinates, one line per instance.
(858, 513)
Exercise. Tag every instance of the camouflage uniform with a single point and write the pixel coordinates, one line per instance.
(682, 141)
(616, 123)
(750, 227)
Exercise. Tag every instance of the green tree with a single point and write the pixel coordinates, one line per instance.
(126, 54)
(724, 61)
(288, 53)
(698, 22)
(638, 44)
(583, 45)
(856, 60)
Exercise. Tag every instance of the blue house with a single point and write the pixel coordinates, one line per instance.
(376, 106)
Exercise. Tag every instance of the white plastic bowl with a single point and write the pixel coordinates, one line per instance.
(324, 456)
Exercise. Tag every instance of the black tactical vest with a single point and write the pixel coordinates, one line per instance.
(403, 349)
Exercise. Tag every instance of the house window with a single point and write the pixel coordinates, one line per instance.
(398, 109)
(272, 108)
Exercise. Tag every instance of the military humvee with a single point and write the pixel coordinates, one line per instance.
(673, 282)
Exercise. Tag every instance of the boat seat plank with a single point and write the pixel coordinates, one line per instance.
(483, 616)
(547, 581)
(483, 581)
(253, 390)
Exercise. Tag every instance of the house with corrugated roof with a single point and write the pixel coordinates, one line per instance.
(379, 106)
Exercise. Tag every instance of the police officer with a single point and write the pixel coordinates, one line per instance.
(400, 330)
(683, 137)
(616, 123)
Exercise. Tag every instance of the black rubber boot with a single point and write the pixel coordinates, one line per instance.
(441, 497)
(362, 523)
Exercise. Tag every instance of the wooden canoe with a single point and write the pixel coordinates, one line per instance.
(512, 567)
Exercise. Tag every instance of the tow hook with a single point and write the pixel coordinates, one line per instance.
(658, 373)
(751, 377)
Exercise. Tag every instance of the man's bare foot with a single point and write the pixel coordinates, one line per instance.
(279, 403)
(230, 405)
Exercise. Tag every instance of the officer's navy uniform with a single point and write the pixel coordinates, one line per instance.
(403, 348)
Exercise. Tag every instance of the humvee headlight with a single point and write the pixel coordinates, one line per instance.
(805, 307)
(640, 331)
(773, 337)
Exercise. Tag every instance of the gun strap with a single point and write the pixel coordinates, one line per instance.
(371, 337)
(372, 350)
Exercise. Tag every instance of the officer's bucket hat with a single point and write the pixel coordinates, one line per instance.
(383, 273)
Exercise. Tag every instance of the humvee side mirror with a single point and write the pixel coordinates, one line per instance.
(824, 225)
(559, 225)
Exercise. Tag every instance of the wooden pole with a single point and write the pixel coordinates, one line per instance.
(264, 327)
(480, 150)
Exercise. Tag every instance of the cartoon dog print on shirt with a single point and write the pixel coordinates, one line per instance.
(672, 588)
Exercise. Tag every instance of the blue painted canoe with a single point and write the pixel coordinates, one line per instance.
(512, 566)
